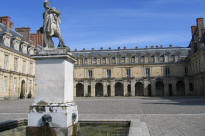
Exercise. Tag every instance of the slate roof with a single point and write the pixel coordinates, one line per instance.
(3, 29)
(181, 51)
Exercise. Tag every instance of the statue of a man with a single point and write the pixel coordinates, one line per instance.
(51, 27)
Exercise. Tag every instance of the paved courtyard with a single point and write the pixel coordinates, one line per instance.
(168, 116)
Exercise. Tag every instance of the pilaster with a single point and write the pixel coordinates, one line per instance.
(85, 88)
(153, 85)
(125, 84)
(186, 81)
(105, 88)
(166, 87)
(133, 87)
(93, 88)
(112, 88)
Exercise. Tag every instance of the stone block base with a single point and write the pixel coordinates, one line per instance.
(62, 115)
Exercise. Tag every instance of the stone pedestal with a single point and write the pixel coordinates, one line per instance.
(54, 92)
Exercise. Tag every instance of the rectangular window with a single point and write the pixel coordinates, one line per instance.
(128, 73)
(167, 71)
(90, 72)
(6, 59)
(15, 83)
(5, 84)
(31, 68)
(16, 64)
(109, 73)
(24, 67)
(147, 72)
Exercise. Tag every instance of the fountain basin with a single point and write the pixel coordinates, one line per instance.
(85, 128)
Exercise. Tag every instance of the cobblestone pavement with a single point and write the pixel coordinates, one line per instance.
(168, 116)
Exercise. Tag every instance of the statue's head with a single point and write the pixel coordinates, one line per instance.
(46, 4)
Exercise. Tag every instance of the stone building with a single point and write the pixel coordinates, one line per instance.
(196, 59)
(155, 71)
(17, 69)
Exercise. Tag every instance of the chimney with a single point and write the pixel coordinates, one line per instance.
(157, 46)
(152, 46)
(25, 31)
(7, 21)
(200, 22)
(136, 47)
(125, 47)
(110, 48)
(101, 48)
(146, 46)
(118, 48)
(193, 29)
(170, 46)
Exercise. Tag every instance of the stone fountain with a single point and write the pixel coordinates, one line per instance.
(53, 113)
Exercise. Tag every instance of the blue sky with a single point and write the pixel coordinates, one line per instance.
(112, 23)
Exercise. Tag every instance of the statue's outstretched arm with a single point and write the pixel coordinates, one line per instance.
(54, 10)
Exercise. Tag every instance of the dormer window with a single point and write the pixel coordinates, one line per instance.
(142, 59)
(162, 58)
(7, 39)
(16, 43)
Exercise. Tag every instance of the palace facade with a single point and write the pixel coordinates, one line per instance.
(155, 71)
(17, 69)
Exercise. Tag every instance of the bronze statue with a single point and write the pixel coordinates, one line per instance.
(51, 27)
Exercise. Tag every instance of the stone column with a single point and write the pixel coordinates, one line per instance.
(153, 85)
(112, 88)
(174, 88)
(133, 87)
(105, 88)
(93, 88)
(85, 88)
(125, 84)
(146, 88)
(166, 87)
(186, 82)
(74, 89)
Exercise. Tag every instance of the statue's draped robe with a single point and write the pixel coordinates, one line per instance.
(51, 26)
